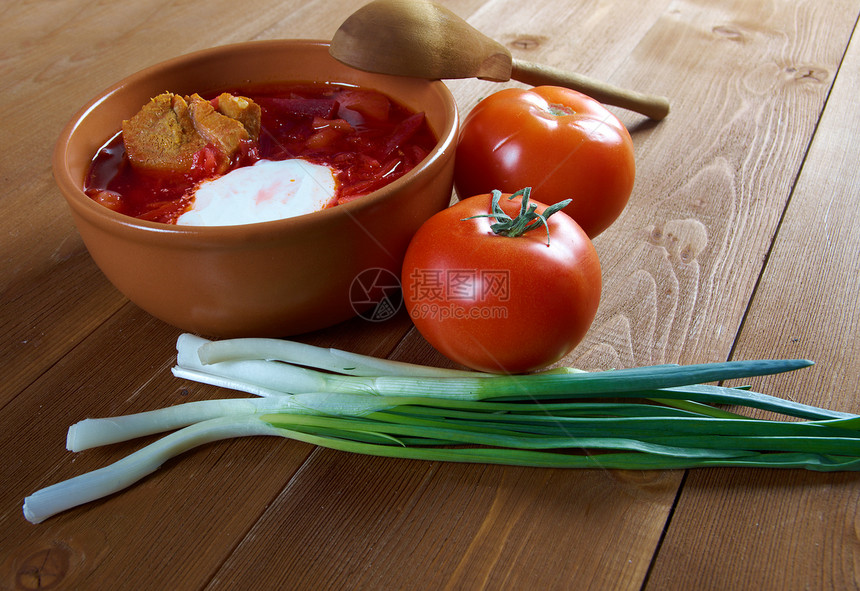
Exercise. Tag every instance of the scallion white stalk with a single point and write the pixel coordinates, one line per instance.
(90, 433)
(329, 359)
(227, 381)
(247, 374)
(125, 472)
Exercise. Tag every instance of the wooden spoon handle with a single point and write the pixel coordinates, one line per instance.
(655, 107)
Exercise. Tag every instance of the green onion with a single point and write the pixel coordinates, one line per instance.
(658, 417)
(675, 382)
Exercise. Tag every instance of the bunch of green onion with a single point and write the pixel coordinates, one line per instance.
(657, 417)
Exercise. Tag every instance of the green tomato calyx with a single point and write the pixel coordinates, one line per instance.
(527, 219)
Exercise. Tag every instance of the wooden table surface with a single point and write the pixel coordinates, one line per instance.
(741, 241)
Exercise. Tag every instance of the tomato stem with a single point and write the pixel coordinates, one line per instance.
(528, 218)
(560, 110)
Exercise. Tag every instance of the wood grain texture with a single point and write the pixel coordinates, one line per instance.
(741, 240)
(419, 525)
(791, 530)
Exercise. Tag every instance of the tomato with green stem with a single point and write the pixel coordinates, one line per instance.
(561, 143)
(502, 284)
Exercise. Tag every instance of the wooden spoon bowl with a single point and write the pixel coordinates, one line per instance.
(422, 39)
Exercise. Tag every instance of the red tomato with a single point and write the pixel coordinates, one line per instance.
(500, 303)
(561, 143)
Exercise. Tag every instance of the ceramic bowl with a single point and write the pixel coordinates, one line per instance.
(275, 278)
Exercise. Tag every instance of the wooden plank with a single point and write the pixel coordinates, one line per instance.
(379, 523)
(791, 530)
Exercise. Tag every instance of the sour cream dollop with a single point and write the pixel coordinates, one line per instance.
(268, 190)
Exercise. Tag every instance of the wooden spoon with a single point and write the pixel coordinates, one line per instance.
(425, 40)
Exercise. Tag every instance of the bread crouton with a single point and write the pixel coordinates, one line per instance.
(169, 130)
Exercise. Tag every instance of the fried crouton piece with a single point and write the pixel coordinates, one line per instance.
(169, 130)
(215, 128)
(243, 110)
(161, 136)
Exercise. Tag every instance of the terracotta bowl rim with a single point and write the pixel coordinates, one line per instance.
(102, 216)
